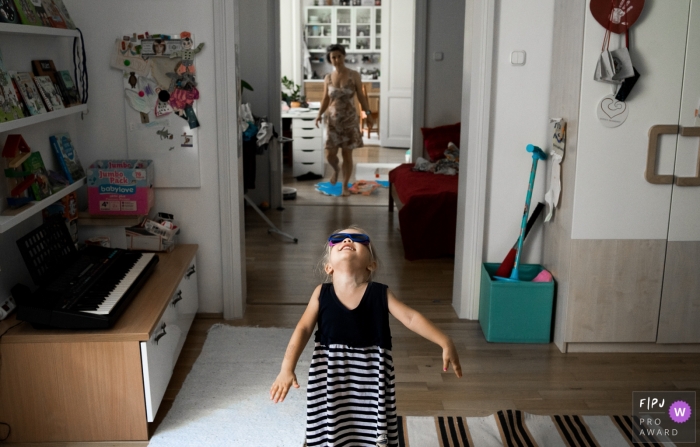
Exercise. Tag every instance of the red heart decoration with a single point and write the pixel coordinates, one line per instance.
(617, 15)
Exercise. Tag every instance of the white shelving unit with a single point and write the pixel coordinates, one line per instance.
(37, 30)
(10, 218)
(36, 119)
(357, 28)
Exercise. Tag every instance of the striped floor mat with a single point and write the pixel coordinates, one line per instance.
(513, 428)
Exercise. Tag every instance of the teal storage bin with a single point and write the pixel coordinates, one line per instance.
(519, 312)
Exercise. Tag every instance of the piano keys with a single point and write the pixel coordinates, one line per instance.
(86, 289)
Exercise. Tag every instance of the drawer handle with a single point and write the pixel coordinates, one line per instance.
(307, 138)
(162, 334)
(190, 272)
(308, 119)
(177, 298)
(691, 181)
(307, 162)
(308, 150)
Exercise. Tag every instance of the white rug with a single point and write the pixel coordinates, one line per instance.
(225, 402)
(225, 399)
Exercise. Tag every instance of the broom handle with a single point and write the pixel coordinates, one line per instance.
(526, 213)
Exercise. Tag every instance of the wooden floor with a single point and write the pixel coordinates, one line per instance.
(533, 378)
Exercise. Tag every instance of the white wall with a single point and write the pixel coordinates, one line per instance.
(443, 79)
(519, 116)
(103, 133)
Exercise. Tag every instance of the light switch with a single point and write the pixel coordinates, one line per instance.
(438, 56)
(517, 57)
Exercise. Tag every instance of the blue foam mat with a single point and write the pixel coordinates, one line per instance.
(337, 189)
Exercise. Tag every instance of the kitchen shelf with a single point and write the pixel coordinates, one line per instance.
(9, 218)
(35, 119)
(12, 28)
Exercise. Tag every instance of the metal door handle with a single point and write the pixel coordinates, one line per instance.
(691, 181)
(161, 335)
(650, 174)
(190, 272)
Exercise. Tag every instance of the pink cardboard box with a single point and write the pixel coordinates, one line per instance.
(120, 187)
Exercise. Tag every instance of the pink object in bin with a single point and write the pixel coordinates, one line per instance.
(120, 187)
(543, 276)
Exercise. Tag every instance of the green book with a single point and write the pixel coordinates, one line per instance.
(10, 108)
(41, 188)
(27, 13)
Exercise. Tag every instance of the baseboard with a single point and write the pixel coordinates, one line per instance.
(631, 347)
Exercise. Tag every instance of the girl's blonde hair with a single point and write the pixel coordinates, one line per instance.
(325, 259)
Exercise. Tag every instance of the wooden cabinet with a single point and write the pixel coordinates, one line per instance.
(624, 247)
(90, 385)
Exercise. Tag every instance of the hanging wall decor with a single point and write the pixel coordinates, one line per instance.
(617, 15)
(160, 92)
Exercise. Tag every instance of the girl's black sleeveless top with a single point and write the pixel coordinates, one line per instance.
(365, 326)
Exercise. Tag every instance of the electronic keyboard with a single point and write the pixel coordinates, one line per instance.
(86, 289)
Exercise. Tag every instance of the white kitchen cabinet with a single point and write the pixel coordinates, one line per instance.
(357, 28)
(625, 242)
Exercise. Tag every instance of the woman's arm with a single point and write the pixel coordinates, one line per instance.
(324, 102)
(364, 102)
(286, 378)
(416, 322)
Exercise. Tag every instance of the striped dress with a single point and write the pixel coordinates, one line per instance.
(350, 395)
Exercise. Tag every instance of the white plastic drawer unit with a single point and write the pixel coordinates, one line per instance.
(158, 356)
(160, 353)
(304, 167)
(308, 155)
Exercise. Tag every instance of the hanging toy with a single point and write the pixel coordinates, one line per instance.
(617, 15)
(187, 53)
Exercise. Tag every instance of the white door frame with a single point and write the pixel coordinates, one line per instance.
(229, 151)
(476, 125)
(472, 186)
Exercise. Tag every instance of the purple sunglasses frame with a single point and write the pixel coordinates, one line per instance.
(351, 236)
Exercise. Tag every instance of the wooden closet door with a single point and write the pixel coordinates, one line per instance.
(680, 300)
(620, 221)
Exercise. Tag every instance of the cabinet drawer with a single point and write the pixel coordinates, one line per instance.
(308, 155)
(304, 123)
(304, 167)
(308, 143)
(304, 132)
(158, 356)
(185, 302)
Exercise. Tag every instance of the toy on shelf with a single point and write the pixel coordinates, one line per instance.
(15, 152)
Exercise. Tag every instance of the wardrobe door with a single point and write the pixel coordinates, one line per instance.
(680, 301)
(620, 220)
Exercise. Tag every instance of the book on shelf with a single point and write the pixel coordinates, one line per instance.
(55, 18)
(27, 13)
(8, 12)
(41, 12)
(67, 156)
(64, 12)
(18, 95)
(49, 93)
(71, 97)
(41, 187)
(10, 108)
(29, 93)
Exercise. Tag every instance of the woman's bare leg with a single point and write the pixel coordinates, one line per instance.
(334, 162)
(347, 170)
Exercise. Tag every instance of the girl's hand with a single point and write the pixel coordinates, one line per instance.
(281, 386)
(317, 120)
(449, 355)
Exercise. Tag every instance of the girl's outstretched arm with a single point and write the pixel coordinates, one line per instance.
(416, 322)
(286, 378)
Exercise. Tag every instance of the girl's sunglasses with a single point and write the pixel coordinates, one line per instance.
(337, 238)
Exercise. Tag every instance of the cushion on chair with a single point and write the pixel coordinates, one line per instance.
(435, 139)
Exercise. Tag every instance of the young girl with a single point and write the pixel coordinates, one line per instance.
(350, 396)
